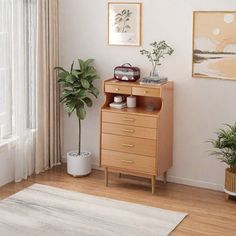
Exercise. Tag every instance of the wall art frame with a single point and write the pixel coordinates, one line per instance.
(125, 23)
(214, 45)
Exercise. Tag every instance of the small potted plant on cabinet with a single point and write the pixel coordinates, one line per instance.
(225, 151)
(76, 88)
(158, 52)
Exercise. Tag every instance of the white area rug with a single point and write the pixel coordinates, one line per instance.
(44, 210)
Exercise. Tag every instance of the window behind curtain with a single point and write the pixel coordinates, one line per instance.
(30, 13)
(5, 68)
(7, 45)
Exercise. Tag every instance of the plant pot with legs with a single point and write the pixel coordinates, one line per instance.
(225, 151)
(76, 88)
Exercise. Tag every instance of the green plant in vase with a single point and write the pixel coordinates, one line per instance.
(159, 51)
(77, 90)
(225, 150)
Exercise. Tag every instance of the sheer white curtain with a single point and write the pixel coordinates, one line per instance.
(17, 83)
(23, 86)
(29, 93)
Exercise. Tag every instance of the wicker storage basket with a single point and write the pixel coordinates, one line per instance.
(230, 181)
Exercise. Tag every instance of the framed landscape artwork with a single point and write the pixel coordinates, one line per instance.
(124, 23)
(214, 45)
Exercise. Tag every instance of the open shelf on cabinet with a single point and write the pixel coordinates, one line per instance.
(142, 104)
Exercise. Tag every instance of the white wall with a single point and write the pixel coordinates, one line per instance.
(200, 105)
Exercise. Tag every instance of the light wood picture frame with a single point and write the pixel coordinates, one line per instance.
(125, 23)
(214, 44)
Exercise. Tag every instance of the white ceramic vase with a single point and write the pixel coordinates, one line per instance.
(79, 165)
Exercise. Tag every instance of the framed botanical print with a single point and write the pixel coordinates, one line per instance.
(214, 44)
(124, 23)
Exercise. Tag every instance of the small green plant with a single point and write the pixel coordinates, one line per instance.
(225, 146)
(76, 88)
(159, 51)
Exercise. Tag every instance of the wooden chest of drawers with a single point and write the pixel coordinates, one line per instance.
(134, 140)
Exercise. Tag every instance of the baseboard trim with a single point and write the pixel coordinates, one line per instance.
(195, 183)
(179, 180)
(185, 181)
(63, 159)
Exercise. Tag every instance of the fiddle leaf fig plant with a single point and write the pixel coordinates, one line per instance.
(77, 90)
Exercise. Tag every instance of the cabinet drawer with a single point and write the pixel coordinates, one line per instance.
(132, 131)
(140, 146)
(129, 162)
(117, 89)
(126, 119)
(148, 92)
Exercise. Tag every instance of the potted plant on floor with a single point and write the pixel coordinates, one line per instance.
(76, 90)
(225, 151)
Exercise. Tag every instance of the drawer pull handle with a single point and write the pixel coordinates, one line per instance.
(145, 92)
(128, 130)
(128, 119)
(127, 145)
(128, 161)
(117, 89)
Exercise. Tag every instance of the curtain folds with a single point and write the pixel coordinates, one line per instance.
(30, 117)
(22, 137)
(48, 143)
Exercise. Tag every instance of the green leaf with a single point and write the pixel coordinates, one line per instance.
(64, 95)
(64, 85)
(81, 113)
(91, 69)
(79, 104)
(62, 76)
(81, 64)
(94, 91)
(76, 73)
(85, 83)
(82, 93)
(92, 78)
(77, 85)
(88, 62)
(69, 78)
(69, 107)
(88, 101)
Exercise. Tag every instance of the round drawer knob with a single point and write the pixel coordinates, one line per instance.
(117, 89)
(145, 92)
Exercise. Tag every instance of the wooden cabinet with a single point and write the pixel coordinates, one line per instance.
(134, 140)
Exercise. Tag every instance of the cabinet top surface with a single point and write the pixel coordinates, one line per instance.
(169, 84)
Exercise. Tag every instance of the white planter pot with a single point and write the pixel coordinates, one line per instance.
(78, 165)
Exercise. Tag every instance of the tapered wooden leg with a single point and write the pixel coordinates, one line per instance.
(153, 184)
(119, 175)
(165, 177)
(106, 176)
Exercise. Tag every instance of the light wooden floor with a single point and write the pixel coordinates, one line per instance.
(209, 212)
